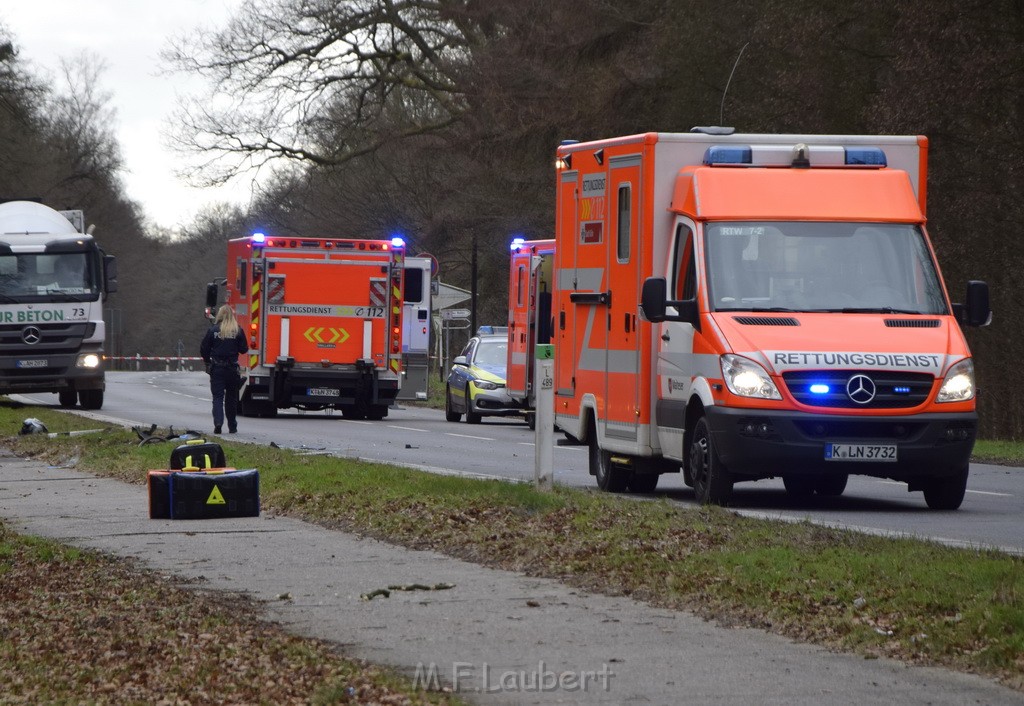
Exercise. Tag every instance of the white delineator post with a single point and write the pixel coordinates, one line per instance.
(544, 427)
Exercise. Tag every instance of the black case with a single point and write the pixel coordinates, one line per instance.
(200, 454)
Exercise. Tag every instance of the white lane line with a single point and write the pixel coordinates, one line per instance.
(467, 436)
(526, 443)
(395, 426)
(976, 492)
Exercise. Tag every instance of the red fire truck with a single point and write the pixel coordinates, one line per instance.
(324, 320)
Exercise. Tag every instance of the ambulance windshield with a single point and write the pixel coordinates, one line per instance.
(47, 277)
(834, 267)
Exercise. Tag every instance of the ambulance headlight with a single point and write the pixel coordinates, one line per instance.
(88, 360)
(746, 378)
(959, 383)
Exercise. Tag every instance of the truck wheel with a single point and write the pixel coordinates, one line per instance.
(831, 486)
(377, 412)
(712, 482)
(946, 493)
(609, 477)
(643, 482)
(449, 412)
(67, 398)
(90, 399)
(531, 420)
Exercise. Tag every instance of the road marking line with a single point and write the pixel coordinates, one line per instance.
(526, 443)
(395, 426)
(988, 492)
(467, 436)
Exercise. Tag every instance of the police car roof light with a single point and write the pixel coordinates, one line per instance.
(870, 156)
(727, 154)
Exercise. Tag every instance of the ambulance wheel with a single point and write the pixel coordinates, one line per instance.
(643, 482)
(377, 412)
(712, 482)
(67, 398)
(449, 413)
(610, 477)
(831, 486)
(531, 420)
(351, 411)
(90, 399)
(947, 493)
(799, 486)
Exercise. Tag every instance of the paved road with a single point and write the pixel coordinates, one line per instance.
(990, 515)
(497, 634)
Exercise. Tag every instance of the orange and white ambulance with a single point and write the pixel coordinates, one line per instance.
(744, 306)
(324, 319)
(529, 316)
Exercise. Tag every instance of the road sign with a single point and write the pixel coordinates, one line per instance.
(448, 314)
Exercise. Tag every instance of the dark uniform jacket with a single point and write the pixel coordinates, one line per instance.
(222, 351)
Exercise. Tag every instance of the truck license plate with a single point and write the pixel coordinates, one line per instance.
(33, 363)
(860, 452)
(324, 392)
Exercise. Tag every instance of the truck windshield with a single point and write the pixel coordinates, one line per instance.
(801, 266)
(52, 277)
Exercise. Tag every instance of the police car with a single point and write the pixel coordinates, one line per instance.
(476, 383)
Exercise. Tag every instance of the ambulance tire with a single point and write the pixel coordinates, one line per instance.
(831, 486)
(712, 482)
(531, 421)
(377, 412)
(352, 411)
(68, 398)
(610, 478)
(449, 413)
(90, 399)
(947, 493)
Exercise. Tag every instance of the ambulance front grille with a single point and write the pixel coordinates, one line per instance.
(893, 390)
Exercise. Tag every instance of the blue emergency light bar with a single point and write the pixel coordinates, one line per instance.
(258, 238)
(782, 156)
(819, 389)
(397, 242)
(517, 243)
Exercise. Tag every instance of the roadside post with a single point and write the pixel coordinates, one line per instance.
(544, 437)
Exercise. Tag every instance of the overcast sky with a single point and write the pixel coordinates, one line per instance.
(127, 35)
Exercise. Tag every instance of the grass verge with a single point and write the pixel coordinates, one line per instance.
(911, 600)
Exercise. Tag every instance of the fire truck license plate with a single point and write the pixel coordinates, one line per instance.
(860, 452)
(34, 363)
(324, 392)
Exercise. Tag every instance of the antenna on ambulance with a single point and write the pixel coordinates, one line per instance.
(721, 109)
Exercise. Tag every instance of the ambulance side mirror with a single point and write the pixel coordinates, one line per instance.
(211, 295)
(654, 304)
(976, 311)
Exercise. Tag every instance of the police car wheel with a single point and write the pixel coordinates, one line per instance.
(449, 412)
(67, 398)
(712, 482)
(471, 416)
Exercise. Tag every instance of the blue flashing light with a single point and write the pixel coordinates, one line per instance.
(819, 389)
(258, 238)
(728, 154)
(517, 243)
(397, 242)
(901, 390)
(870, 156)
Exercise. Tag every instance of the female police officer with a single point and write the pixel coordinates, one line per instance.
(221, 346)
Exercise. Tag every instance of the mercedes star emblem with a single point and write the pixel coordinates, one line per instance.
(31, 335)
(860, 389)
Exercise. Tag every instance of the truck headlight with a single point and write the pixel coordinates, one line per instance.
(959, 383)
(486, 385)
(88, 360)
(746, 378)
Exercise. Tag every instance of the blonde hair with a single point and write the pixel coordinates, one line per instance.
(227, 322)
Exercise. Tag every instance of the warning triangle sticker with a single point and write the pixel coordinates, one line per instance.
(215, 497)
